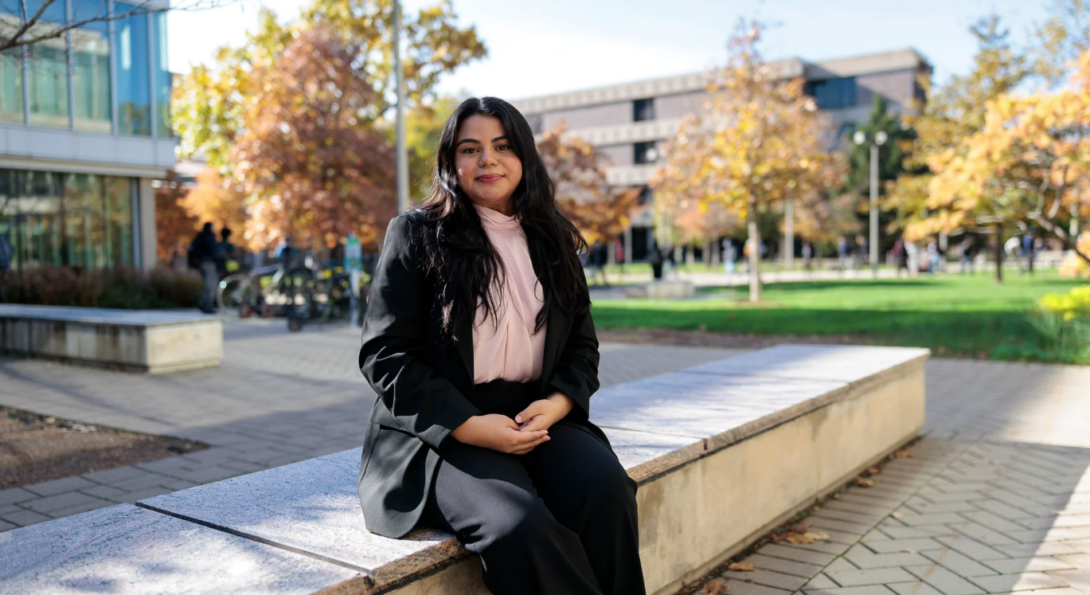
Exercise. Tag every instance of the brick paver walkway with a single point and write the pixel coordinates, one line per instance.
(995, 499)
(278, 398)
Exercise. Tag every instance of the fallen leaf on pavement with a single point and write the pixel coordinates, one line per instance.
(903, 454)
(817, 535)
(799, 538)
(714, 587)
(910, 551)
(803, 528)
(874, 470)
(740, 567)
(863, 482)
(897, 515)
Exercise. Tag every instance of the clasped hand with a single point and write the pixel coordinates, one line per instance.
(529, 429)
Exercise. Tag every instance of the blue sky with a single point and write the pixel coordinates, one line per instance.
(539, 46)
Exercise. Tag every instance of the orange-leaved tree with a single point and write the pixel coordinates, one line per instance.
(311, 165)
(758, 142)
(1029, 163)
(175, 226)
(599, 211)
(217, 200)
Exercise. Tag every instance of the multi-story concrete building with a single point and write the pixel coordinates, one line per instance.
(628, 122)
(84, 129)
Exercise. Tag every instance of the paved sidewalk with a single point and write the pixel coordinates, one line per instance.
(278, 398)
(995, 499)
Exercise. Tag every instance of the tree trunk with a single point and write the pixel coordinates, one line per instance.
(754, 253)
(998, 253)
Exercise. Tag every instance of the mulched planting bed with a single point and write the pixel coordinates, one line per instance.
(36, 448)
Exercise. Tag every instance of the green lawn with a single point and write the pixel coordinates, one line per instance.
(952, 315)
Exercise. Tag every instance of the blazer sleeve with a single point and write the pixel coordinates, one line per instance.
(576, 371)
(423, 403)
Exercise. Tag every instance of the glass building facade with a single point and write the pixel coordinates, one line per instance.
(77, 220)
(108, 77)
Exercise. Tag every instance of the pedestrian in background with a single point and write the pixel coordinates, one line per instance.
(5, 262)
(807, 256)
(202, 256)
(843, 251)
(226, 254)
(933, 257)
(730, 255)
(965, 255)
(1029, 250)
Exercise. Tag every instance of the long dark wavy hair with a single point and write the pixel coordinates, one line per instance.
(456, 249)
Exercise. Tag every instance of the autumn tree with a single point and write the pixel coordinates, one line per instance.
(309, 161)
(953, 112)
(211, 103)
(175, 227)
(758, 143)
(599, 211)
(217, 200)
(1029, 163)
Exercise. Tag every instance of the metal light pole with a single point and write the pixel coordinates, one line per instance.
(880, 138)
(402, 154)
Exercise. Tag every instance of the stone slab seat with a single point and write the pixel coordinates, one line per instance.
(722, 452)
(140, 340)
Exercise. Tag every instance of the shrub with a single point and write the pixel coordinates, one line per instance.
(1064, 321)
(120, 287)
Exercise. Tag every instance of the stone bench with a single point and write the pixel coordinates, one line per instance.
(140, 340)
(723, 453)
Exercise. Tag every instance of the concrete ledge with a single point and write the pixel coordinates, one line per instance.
(701, 442)
(146, 341)
(661, 290)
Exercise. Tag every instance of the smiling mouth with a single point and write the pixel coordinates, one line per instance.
(488, 179)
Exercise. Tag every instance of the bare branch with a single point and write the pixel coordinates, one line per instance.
(20, 39)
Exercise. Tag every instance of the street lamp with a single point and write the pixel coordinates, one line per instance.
(880, 138)
(402, 155)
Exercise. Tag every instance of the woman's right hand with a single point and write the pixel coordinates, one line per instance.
(498, 432)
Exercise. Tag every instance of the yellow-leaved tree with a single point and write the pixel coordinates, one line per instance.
(1030, 162)
(757, 142)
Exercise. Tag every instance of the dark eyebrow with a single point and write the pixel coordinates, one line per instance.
(473, 140)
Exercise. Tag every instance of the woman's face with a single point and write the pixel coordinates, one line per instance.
(488, 169)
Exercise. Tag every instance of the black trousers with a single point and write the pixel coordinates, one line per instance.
(559, 520)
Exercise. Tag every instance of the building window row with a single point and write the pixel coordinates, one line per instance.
(833, 93)
(107, 76)
(76, 220)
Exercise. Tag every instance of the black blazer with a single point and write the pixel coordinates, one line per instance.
(424, 381)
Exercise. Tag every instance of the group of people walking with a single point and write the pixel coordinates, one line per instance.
(212, 259)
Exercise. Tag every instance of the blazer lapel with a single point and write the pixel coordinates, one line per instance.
(554, 331)
(463, 342)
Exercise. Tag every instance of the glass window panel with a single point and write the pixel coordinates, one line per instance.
(91, 67)
(162, 75)
(78, 220)
(119, 248)
(47, 66)
(11, 84)
(131, 62)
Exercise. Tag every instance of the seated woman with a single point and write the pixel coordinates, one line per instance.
(479, 342)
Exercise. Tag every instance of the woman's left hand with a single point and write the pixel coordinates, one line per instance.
(542, 414)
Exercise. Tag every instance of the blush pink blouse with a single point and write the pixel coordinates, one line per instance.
(507, 347)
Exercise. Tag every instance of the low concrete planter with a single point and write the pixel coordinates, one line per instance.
(144, 341)
(661, 290)
(722, 452)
